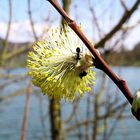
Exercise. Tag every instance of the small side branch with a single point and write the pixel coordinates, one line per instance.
(31, 20)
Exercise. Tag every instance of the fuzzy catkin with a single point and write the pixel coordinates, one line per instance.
(54, 65)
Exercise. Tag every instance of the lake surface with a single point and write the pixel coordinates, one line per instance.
(12, 110)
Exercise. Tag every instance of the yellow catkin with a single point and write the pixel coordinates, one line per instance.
(54, 65)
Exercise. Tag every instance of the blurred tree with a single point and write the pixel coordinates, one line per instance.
(55, 107)
(4, 48)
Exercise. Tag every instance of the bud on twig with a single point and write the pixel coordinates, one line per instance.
(136, 105)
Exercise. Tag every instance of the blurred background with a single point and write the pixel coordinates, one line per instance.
(102, 114)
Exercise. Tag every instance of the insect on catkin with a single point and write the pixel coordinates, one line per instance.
(61, 65)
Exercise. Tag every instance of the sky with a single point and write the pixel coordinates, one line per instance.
(108, 13)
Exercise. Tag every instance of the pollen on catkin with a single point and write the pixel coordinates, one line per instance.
(59, 68)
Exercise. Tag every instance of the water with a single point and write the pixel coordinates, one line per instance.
(12, 109)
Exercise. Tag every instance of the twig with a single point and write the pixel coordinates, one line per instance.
(12, 95)
(5, 42)
(42, 117)
(125, 28)
(87, 128)
(115, 123)
(97, 108)
(95, 120)
(17, 52)
(72, 115)
(79, 133)
(31, 20)
(85, 122)
(14, 80)
(123, 5)
(113, 110)
(94, 19)
(99, 62)
(26, 112)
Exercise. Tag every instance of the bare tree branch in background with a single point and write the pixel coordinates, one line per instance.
(125, 28)
(42, 119)
(31, 20)
(18, 52)
(119, 115)
(87, 126)
(97, 107)
(5, 42)
(73, 113)
(25, 48)
(26, 111)
(124, 18)
(123, 5)
(94, 19)
(108, 114)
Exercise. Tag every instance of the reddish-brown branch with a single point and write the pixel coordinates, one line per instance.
(26, 111)
(99, 62)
